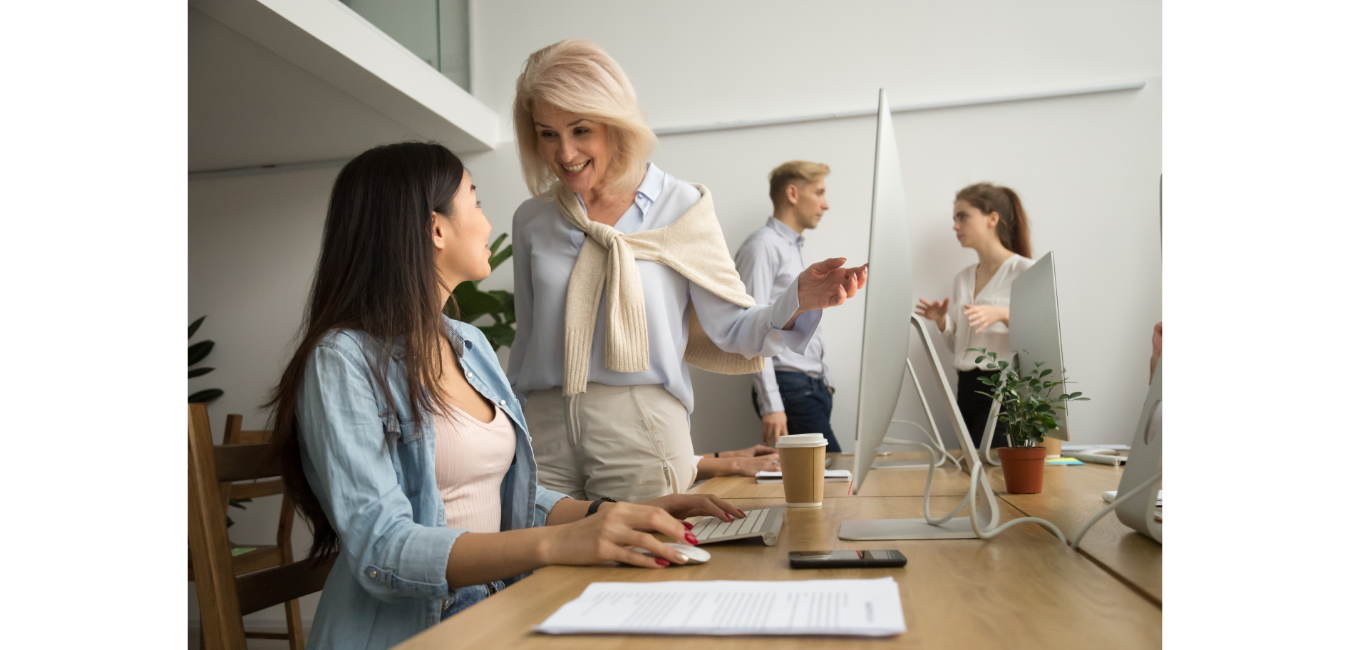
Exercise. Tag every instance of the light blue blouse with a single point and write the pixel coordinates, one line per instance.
(374, 472)
(545, 249)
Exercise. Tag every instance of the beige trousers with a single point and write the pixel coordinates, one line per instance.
(628, 443)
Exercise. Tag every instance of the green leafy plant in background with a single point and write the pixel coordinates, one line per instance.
(1027, 401)
(500, 305)
(196, 354)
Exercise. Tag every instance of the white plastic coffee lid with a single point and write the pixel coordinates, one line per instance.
(802, 440)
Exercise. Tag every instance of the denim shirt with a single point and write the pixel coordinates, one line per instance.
(389, 581)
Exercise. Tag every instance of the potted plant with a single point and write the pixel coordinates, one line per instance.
(1028, 401)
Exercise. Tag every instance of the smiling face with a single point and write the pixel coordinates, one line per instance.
(462, 238)
(575, 147)
(973, 228)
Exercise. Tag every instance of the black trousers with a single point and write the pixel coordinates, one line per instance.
(807, 402)
(975, 407)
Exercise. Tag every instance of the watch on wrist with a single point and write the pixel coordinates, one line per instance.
(595, 505)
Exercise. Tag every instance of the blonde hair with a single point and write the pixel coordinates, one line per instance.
(791, 172)
(578, 76)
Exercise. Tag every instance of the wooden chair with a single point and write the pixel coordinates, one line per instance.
(228, 586)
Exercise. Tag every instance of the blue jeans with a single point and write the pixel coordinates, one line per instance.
(807, 402)
(470, 596)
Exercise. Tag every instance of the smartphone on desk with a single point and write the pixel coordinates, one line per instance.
(845, 559)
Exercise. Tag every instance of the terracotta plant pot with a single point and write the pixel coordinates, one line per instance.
(1023, 468)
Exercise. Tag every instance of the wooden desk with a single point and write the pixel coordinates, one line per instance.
(1021, 589)
(881, 481)
(1069, 497)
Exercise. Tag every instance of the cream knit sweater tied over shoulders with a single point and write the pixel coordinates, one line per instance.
(693, 246)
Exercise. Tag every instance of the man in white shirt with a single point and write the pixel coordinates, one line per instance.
(793, 394)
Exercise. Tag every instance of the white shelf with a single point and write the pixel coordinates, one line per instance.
(300, 82)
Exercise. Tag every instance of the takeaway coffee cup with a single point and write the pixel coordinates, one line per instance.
(802, 457)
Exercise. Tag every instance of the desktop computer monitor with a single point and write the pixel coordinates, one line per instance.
(1033, 328)
(885, 338)
(1144, 470)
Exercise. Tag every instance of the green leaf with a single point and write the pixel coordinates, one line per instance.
(1003, 365)
(505, 301)
(197, 372)
(474, 303)
(500, 335)
(498, 258)
(500, 238)
(198, 351)
(192, 328)
(204, 396)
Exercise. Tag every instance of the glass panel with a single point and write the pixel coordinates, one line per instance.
(455, 41)
(436, 31)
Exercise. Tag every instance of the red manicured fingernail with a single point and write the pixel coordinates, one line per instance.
(662, 562)
(689, 537)
(687, 525)
(741, 511)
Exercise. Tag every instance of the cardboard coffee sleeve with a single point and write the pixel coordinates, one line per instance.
(802, 457)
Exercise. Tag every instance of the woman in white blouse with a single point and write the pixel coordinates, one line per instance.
(990, 219)
(622, 275)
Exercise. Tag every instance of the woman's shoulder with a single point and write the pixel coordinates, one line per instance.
(680, 191)
(466, 331)
(350, 342)
(1020, 264)
(531, 209)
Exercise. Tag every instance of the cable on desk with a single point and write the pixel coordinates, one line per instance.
(975, 477)
(1138, 490)
(928, 485)
(991, 533)
(946, 455)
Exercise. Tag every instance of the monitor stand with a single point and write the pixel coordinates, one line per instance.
(980, 495)
(931, 431)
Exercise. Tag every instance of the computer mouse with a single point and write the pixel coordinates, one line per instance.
(695, 554)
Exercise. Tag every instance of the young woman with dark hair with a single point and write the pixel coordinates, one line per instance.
(989, 219)
(400, 439)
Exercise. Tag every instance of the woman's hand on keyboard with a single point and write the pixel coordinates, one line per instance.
(683, 506)
(608, 534)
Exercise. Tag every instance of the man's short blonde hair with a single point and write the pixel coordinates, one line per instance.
(793, 171)
(578, 76)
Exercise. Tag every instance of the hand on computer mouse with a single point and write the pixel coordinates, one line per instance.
(612, 533)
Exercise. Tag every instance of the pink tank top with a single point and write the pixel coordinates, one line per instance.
(471, 460)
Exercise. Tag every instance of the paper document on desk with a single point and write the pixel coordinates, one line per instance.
(831, 476)
(726, 607)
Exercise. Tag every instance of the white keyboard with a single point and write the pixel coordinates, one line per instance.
(763, 523)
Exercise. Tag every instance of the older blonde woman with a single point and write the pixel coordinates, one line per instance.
(622, 280)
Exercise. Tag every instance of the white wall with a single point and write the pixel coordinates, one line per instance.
(1087, 169)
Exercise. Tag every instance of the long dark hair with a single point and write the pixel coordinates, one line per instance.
(1014, 231)
(377, 274)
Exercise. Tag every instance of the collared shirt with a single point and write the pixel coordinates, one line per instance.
(960, 336)
(769, 262)
(546, 247)
(373, 470)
